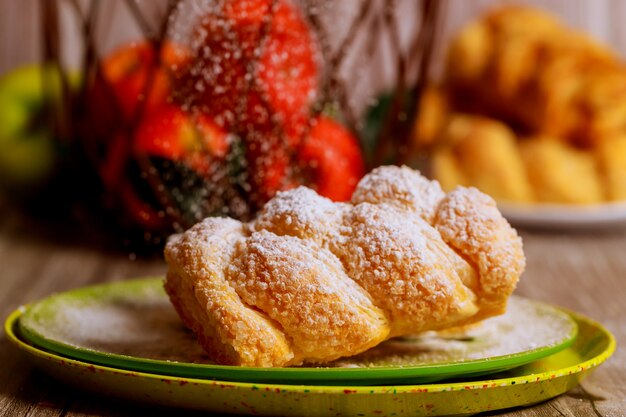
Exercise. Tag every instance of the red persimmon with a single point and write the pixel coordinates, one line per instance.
(331, 159)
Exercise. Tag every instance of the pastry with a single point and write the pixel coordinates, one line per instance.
(522, 65)
(402, 188)
(446, 169)
(469, 221)
(487, 157)
(431, 118)
(310, 280)
(200, 291)
(486, 154)
(611, 160)
(560, 173)
(528, 111)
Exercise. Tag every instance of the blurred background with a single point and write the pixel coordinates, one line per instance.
(599, 18)
(131, 119)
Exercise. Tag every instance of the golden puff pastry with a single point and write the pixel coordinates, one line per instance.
(407, 268)
(611, 160)
(484, 153)
(560, 173)
(311, 280)
(305, 291)
(524, 66)
(401, 187)
(469, 221)
(204, 298)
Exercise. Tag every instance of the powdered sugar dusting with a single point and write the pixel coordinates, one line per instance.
(304, 288)
(401, 187)
(338, 278)
(526, 326)
(469, 221)
(142, 324)
(405, 265)
(303, 213)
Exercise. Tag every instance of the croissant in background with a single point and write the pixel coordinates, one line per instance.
(560, 173)
(310, 280)
(484, 153)
(528, 111)
(523, 66)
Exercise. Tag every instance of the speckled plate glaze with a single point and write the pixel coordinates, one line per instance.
(131, 325)
(524, 385)
(565, 216)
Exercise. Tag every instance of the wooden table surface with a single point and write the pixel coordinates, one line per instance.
(585, 272)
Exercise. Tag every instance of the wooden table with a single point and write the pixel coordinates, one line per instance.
(585, 272)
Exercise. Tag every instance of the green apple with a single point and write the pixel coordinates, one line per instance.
(27, 150)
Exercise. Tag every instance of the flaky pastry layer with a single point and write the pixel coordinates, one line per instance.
(311, 280)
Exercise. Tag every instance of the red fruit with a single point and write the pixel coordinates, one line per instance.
(170, 133)
(268, 164)
(287, 71)
(126, 78)
(283, 71)
(247, 18)
(130, 76)
(331, 159)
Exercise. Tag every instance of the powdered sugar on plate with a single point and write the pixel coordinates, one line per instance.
(526, 326)
(142, 324)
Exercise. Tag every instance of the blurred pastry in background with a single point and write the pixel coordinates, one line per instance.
(486, 156)
(446, 169)
(432, 118)
(528, 111)
(560, 173)
(611, 158)
(522, 65)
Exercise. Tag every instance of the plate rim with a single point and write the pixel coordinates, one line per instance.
(564, 215)
(10, 327)
(314, 374)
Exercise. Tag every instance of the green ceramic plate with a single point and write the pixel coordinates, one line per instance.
(131, 325)
(524, 385)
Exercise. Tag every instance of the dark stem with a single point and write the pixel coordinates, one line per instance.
(398, 107)
(432, 12)
(48, 73)
(333, 89)
(430, 21)
(89, 73)
(395, 137)
(344, 47)
(145, 164)
(141, 20)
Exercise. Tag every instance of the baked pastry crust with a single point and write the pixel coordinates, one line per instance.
(486, 155)
(230, 331)
(560, 173)
(311, 280)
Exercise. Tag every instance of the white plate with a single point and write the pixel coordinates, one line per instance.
(564, 216)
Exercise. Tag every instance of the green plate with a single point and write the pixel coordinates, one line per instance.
(521, 386)
(131, 325)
